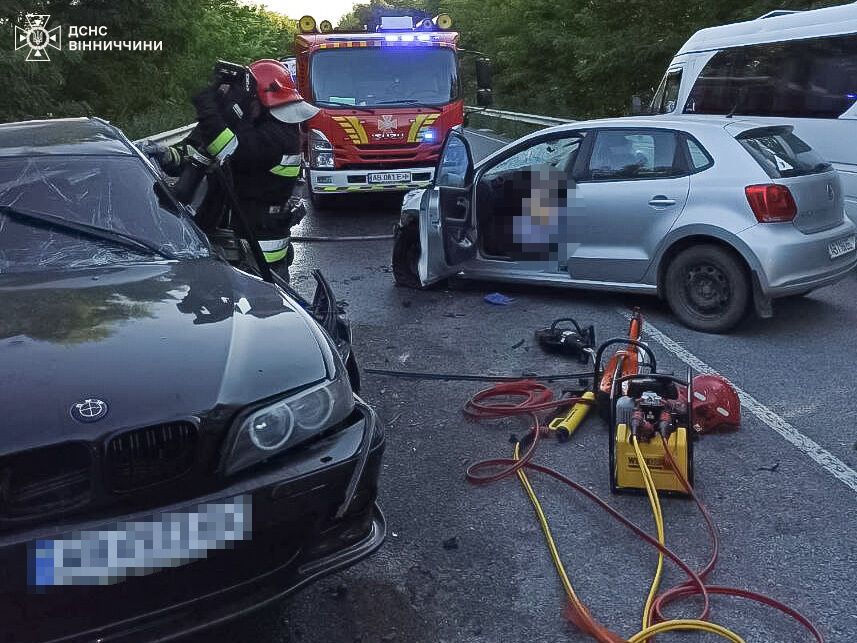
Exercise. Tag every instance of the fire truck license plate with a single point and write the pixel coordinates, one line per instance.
(390, 177)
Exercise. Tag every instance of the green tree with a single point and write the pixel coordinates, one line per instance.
(143, 92)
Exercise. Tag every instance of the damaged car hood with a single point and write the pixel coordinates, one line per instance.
(155, 341)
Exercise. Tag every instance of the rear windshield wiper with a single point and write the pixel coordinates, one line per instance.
(333, 103)
(408, 101)
(103, 234)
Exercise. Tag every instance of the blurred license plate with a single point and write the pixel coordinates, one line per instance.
(390, 177)
(114, 552)
(842, 246)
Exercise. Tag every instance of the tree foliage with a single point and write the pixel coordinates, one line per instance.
(579, 58)
(143, 92)
(576, 58)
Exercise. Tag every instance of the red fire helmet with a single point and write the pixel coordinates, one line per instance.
(277, 92)
(716, 406)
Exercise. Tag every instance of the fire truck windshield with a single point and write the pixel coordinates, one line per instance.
(375, 76)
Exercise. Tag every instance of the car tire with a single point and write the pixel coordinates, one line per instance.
(707, 288)
(406, 255)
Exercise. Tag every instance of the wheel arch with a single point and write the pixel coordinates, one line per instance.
(674, 244)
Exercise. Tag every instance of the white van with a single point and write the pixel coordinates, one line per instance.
(794, 66)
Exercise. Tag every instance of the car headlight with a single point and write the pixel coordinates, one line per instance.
(286, 423)
(321, 151)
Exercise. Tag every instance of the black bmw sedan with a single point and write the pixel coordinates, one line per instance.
(180, 438)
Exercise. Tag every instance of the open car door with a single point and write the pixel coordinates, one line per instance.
(447, 228)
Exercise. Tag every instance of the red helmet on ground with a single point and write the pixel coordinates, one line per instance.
(716, 406)
(277, 92)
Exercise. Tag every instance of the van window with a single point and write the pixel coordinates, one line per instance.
(782, 154)
(813, 78)
(666, 97)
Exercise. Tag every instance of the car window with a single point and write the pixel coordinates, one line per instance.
(781, 153)
(810, 78)
(454, 164)
(666, 97)
(699, 158)
(628, 154)
(113, 193)
(559, 153)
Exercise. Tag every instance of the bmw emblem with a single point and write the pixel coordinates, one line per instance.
(89, 410)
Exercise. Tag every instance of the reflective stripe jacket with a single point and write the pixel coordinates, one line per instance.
(266, 162)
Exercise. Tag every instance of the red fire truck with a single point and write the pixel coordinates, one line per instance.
(387, 97)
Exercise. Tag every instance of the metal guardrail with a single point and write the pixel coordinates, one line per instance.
(177, 134)
(519, 117)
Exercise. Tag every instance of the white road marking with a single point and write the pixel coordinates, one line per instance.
(833, 465)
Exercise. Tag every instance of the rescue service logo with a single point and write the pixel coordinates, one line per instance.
(387, 123)
(37, 37)
(388, 127)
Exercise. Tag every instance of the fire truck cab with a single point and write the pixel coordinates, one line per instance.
(387, 98)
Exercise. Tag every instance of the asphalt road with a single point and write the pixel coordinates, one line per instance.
(468, 564)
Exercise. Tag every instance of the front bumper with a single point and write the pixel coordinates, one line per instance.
(791, 262)
(357, 180)
(296, 538)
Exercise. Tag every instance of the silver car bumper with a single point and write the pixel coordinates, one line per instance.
(790, 262)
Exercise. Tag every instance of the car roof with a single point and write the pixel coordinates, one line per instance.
(686, 123)
(78, 136)
(696, 125)
(776, 26)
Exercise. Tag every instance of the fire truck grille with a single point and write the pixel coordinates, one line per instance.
(384, 148)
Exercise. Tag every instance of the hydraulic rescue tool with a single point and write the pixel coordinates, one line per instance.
(565, 425)
(572, 341)
(654, 419)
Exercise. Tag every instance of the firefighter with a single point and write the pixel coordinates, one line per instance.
(254, 121)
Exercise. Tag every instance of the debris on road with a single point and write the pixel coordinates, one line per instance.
(498, 299)
(772, 469)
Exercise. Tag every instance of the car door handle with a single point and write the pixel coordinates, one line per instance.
(661, 201)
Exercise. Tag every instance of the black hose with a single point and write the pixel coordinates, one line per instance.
(414, 375)
(368, 237)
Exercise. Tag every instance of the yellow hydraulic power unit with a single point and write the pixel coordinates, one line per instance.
(567, 424)
(627, 474)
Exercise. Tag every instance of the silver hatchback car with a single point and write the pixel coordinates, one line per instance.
(715, 215)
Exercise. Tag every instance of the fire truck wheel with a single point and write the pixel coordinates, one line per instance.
(406, 255)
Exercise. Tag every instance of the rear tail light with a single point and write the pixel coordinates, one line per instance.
(771, 203)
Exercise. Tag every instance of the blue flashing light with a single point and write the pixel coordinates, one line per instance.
(428, 135)
(407, 37)
(424, 37)
(391, 38)
(851, 96)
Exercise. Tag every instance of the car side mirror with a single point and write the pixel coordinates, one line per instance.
(484, 73)
(636, 105)
(484, 98)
